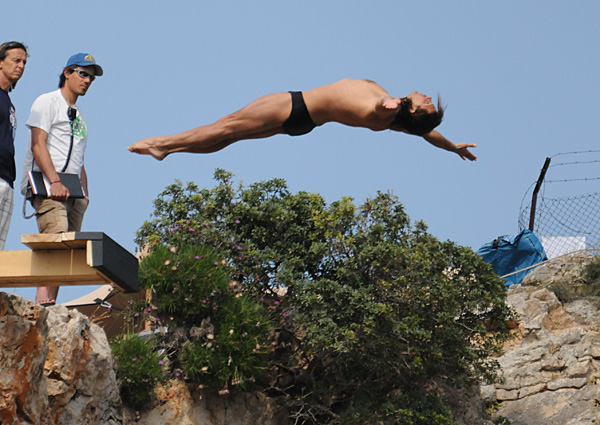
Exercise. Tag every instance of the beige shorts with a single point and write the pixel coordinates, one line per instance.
(58, 217)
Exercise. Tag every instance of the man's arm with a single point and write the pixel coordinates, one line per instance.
(437, 140)
(84, 182)
(42, 157)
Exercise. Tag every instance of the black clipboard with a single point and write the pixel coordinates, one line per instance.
(39, 185)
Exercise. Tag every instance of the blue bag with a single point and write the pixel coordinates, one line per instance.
(510, 253)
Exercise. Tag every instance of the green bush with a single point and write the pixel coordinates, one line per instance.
(267, 236)
(399, 310)
(376, 310)
(139, 368)
(185, 284)
(226, 333)
(591, 276)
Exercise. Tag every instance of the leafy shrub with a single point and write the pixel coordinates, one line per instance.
(591, 276)
(237, 354)
(267, 236)
(399, 310)
(376, 308)
(226, 332)
(139, 369)
(185, 284)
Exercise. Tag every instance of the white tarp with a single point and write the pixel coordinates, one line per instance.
(88, 299)
(555, 246)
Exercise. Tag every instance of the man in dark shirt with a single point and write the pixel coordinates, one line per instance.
(13, 57)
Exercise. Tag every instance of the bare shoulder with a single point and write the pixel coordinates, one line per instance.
(357, 82)
(374, 85)
(360, 87)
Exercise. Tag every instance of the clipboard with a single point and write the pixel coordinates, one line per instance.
(39, 185)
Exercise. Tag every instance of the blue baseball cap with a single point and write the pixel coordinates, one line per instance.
(85, 59)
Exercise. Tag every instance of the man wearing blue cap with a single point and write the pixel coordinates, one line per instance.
(57, 141)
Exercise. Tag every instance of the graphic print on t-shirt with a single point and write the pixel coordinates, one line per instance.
(78, 127)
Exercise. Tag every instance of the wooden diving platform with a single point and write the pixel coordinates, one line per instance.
(72, 258)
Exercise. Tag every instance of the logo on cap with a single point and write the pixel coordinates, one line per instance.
(89, 58)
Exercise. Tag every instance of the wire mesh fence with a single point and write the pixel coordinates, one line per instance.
(566, 210)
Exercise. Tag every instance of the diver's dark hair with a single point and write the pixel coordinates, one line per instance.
(9, 45)
(419, 122)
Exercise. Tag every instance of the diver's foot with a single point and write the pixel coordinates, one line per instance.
(149, 146)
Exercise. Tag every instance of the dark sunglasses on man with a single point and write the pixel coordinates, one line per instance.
(84, 74)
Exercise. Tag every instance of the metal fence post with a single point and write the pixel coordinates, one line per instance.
(535, 193)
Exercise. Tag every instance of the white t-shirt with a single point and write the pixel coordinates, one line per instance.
(49, 113)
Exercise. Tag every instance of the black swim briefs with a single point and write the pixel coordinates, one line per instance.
(299, 121)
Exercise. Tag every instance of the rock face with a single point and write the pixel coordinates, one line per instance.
(56, 367)
(22, 355)
(175, 405)
(81, 382)
(552, 369)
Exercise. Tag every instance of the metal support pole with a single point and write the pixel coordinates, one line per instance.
(535, 193)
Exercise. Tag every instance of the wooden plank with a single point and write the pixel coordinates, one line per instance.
(53, 241)
(47, 268)
(70, 258)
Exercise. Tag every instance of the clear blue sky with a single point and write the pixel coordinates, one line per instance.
(520, 79)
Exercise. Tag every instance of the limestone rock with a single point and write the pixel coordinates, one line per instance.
(176, 405)
(551, 370)
(57, 367)
(23, 352)
(561, 269)
(82, 386)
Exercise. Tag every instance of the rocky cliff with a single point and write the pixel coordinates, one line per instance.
(551, 370)
(56, 368)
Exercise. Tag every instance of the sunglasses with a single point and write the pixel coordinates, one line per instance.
(85, 74)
